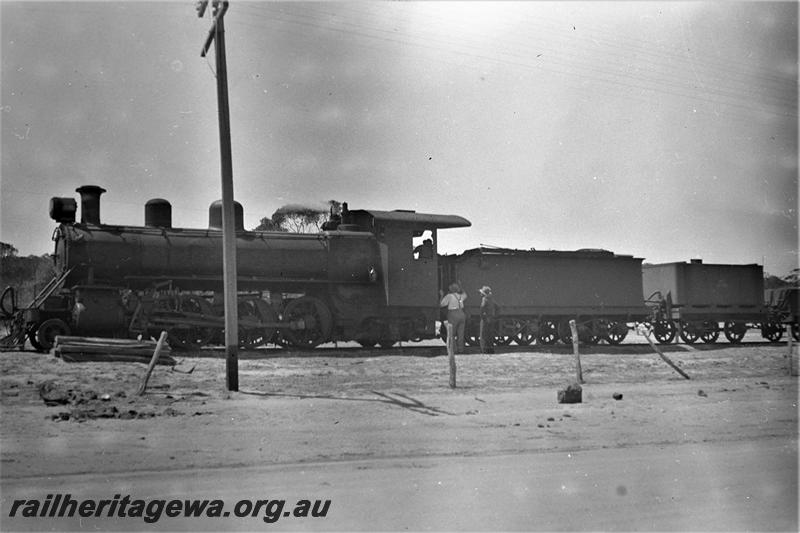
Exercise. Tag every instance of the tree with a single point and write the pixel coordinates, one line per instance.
(7, 250)
(297, 218)
(774, 282)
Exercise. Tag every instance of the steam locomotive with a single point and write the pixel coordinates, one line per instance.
(361, 279)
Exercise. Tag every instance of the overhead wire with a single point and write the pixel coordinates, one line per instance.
(268, 12)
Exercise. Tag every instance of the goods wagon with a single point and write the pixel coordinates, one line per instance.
(783, 305)
(539, 292)
(696, 300)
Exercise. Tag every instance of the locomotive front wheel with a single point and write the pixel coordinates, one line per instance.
(735, 330)
(316, 317)
(47, 332)
(710, 332)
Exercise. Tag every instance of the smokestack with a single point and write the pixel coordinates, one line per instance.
(90, 203)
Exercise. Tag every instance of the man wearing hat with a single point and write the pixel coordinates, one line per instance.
(453, 301)
(488, 313)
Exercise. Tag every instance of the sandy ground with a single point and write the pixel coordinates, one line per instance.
(350, 406)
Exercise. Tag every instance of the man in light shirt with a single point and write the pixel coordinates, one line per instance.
(454, 302)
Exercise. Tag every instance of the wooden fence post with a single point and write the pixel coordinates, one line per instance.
(789, 344)
(575, 342)
(664, 357)
(161, 340)
(451, 355)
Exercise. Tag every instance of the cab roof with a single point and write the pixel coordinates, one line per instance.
(408, 219)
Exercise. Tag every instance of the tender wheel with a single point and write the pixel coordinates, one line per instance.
(471, 332)
(710, 332)
(48, 330)
(548, 332)
(617, 331)
(501, 340)
(564, 332)
(524, 338)
(312, 321)
(735, 330)
(689, 332)
(664, 331)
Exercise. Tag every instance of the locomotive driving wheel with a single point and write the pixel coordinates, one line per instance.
(256, 309)
(187, 335)
(314, 319)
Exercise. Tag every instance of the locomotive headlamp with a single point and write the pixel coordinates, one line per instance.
(63, 210)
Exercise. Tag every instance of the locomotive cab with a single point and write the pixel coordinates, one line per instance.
(411, 272)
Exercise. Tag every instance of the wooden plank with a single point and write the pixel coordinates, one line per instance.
(79, 357)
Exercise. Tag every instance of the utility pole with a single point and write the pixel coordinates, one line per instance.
(217, 34)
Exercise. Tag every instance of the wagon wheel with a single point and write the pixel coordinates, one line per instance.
(188, 336)
(48, 330)
(548, 332)
(617, 331)
(260, 310)
(710, 332)
(664, 331)
(689, 332)
(735, 330)
(316, 319)
(772, 331)
(386, 343)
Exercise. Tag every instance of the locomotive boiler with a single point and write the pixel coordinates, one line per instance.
(357, 280)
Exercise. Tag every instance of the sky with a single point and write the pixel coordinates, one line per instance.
(663, 130)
